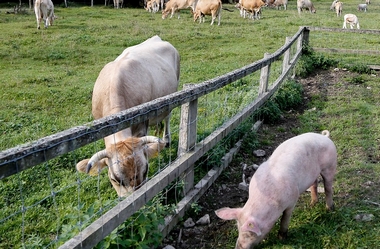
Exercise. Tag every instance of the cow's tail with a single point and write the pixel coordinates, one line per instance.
(326, 133)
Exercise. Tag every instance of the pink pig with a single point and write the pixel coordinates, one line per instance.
(276, 186)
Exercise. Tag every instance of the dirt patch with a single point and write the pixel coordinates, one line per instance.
(225, 191)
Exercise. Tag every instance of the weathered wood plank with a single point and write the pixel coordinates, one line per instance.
(346, 51)
(360, 31)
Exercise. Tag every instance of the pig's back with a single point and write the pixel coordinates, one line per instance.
(296, 163)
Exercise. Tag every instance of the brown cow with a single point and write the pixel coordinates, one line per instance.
(211, 8)
(140, 74)
(253, 7)
(176, 5)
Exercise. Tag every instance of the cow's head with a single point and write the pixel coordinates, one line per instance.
(127, 162)
(165, 13)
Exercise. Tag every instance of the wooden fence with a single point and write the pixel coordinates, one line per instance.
(15, 160)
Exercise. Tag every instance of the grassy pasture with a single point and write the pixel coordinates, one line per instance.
(48, 75)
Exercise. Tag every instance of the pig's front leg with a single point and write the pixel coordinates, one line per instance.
(284, 225)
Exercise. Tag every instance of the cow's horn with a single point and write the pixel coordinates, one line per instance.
(151, 139)
(96, 157)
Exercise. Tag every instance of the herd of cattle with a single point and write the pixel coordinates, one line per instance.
(44, 9)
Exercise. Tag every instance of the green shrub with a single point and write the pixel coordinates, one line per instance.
(287, 97)
(359, 68)
(310, 61)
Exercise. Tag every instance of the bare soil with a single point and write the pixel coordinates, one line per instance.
(225, 191)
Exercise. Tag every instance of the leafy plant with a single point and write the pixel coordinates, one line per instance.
(310, 61)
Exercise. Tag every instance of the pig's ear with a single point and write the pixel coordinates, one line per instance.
(228, 213)
(251, 226)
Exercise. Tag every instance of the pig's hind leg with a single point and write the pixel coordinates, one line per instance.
(328, 184)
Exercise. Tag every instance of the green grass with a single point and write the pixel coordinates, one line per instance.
(47, 80)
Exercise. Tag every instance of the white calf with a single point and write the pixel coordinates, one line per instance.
(362, 7)
(352, 20)
(44, 9)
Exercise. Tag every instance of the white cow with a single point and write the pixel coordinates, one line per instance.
(44, 10)
(332, 7)
(140, 74)
(338, 8)
(362, 7)
(278, 3)
(352, 20)
(305, 4)
(118, 4)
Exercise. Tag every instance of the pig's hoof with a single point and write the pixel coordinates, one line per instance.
(282, 235)
(331, 208)
(313, 202)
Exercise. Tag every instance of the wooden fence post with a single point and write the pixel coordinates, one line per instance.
(187, 137)
(305, 36)
(264, 77)
(285, 62)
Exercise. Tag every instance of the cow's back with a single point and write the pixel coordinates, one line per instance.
(252, 4)
(140, 74)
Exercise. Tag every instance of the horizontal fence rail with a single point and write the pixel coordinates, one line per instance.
(357, 50)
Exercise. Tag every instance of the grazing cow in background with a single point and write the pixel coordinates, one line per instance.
(140, 74)
(305, 4)
(253, 6)
(176, 5)
(277, 184)
(338, 8)
(278, 3)
(153, 6)
(368, 1)
(362, 7)
(332, 7)
(211, 8)
(352, 20)
(44, 10)
(118, 4)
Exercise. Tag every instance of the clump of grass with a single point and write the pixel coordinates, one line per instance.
(359, 68)
(311, 61)
(287, 97)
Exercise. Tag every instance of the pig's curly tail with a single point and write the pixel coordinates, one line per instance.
(326, 133)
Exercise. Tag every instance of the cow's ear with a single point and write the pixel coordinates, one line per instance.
(81, 166)
(251, 226)
(152, 149)
(228, 213)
